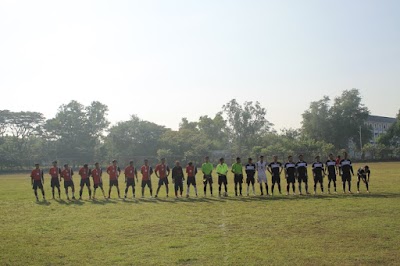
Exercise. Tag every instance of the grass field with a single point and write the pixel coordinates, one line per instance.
(357, 229)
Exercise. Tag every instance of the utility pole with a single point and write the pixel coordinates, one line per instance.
(360, 139)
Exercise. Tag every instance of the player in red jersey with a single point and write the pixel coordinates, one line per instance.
(37, 181)
(85, 173)
(114, 172)
(146, 171)
(55, 173)
(97, 180)
(67, 174)
(162, 172)
(130, 174)
(191, 172)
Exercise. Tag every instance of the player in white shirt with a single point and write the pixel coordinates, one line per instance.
(261, 174)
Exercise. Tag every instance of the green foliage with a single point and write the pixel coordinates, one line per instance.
(392, 136)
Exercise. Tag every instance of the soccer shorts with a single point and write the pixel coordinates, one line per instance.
(362, 177)
(85, 182)
(207, 179)
(346, 177)
(290, 179)
(332, 178)
(178, 186)
(318, 179)
(37, 184)
(276, 179)
(222, 180)
(250, 179)
(262, 178)
(100, 185)
(114, 182)
(146, 183)
(238, 178)
(191, 180)
(130, 182)
(68, 183)
(302, 178)
(163, 181)
(55, 182)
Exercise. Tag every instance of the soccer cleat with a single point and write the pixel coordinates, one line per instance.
(240, 194)
(73, 198)
(294, 194)
(167, 195)
(133, 195)
(37, 199)
(367, 191)
(156, 196)
(247, 194)
(187, 195)
(287, 193)
(300, 193)
(44, 198)
(358, 192)
(67, 198)
(196, 195)
(80, 198)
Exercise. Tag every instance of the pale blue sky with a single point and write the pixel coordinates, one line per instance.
(164, 60)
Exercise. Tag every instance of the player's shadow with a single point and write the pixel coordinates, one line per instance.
(43, 203)
(103, 201)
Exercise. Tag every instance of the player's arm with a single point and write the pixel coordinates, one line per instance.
(136, 175)
(269, 169)
(351, 169)
(368, 175)
(42, 176)
(31, 178)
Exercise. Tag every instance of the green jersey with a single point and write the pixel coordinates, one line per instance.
(222, 169)
(237, 168)
(207, 168)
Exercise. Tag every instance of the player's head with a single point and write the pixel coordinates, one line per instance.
(54, 163)
(66, 166)
(221, 160)
(301, 157)
(177, 163)
(207, 159)
(96, 164)
(36, 165)
(131, 163)
(338, 157)
(366, 167)
(250, 160)
(275, 158)
(290, 158)
(146, 162)
(162, 160)
(190, 163)
(345, 155)
(238, 159)
(85, 165)
(114, 162)
(261, 158)
(317, 158)
(331, 156)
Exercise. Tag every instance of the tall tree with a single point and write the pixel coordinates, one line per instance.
(317, 122)
(392, 136)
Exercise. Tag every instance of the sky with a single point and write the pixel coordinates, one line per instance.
(164, 60)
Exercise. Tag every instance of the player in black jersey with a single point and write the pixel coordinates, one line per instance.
(363, 174)
(302, 175)
(275, 168)
(346, 171)
(330, 169)
(250, 170)
(318, 173)
(290, 174)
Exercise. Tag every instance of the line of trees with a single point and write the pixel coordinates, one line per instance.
(79, 134)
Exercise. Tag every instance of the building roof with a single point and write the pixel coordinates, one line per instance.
(381, 119)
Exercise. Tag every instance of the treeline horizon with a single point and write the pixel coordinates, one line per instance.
(82, 134)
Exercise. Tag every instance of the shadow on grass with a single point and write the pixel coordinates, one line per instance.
(43, 203)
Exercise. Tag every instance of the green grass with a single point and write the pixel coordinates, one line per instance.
(325, 229)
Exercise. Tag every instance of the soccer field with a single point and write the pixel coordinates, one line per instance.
(361, 229)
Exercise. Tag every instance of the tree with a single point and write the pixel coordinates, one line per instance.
(246, 124)
(215, 130)
(317, 122)
(392, 136)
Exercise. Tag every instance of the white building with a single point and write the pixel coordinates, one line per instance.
(379, 124)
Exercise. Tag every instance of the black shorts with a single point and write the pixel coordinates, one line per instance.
(178, 186)
(362, 177)
(130, 182)
(222, 180)
(302, 179)
(191, 180)
(332, 178)
(163, 181)
(86, 182)
(100, 185)
(55, 182)
(207, 179)
(346, 177)
(318, 179)
(276, 179)
(37, 184)
(250, 179)
(238, 179)
(114, 182)
(146, 183)
(68, 183)
(290, 179)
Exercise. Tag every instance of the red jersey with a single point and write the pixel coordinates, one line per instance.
(84, 172)
(96, 174)
(54, 172)
(113, 171)
(130, 172)
(66, 174)
(191, 170)
(36, 174)
(162, 170)
(146, 172)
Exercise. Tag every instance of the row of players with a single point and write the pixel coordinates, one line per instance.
(293, 171)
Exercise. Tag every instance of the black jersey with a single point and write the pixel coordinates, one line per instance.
(290, 168)
(301, 167)
(275, 168)
(346, 167)
(318, 169)
(362, 173)
(331, 166)
(250, 169)
(177, 174)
